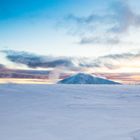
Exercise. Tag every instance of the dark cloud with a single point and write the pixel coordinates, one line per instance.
(100, 28)
(28, 59)
(35, 61)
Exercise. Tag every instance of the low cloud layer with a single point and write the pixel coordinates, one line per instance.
(104, 28)
(110, 62)
(61, 67)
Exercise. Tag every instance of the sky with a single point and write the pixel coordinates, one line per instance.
(70, 36)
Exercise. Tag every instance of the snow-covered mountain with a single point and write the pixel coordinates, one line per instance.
(82, 78)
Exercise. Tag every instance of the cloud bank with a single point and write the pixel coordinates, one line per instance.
(110, 62)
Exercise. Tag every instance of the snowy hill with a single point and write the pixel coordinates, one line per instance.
(83, 78)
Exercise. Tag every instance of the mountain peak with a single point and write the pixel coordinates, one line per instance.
(83, 78)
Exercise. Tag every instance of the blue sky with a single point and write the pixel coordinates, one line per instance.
(73, 28)
(34, 25)
(17, 9)
(29, 24)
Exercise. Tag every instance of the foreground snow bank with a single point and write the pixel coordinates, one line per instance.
(68, 112)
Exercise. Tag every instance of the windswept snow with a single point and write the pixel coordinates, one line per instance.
(69, 112)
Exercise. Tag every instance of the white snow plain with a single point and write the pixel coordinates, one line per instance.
(69, 112)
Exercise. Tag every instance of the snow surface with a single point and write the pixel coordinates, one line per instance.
(69, 112)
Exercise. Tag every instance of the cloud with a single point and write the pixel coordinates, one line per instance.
(97, 40)
(125, 17)
(36, 61)
(104, 28)
(110, 62)
(2, 67)
(127, 78)
(116, 61)
(122, 56)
